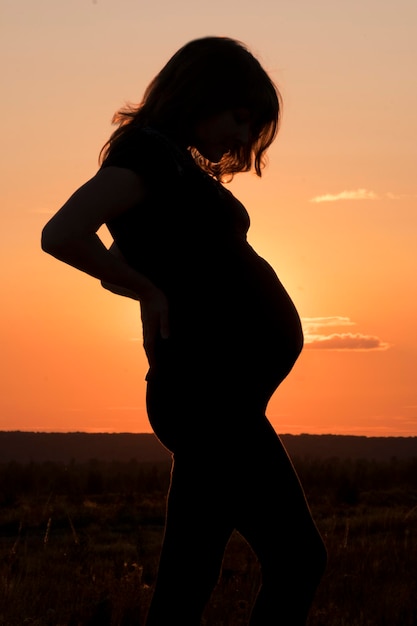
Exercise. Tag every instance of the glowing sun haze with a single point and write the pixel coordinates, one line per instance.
(335, 212)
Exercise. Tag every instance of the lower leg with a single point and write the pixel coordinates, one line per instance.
(183, 588)
(287, 592)
(277, 523)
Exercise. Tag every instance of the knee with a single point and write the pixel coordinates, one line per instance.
(320, 556)
(305, 559)
(315, 557)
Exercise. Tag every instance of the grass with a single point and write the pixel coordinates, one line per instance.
(90, 560)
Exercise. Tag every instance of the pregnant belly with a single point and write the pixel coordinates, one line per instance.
(272, 323)
(237, 323)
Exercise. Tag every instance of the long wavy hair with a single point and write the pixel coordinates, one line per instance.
(205, 77)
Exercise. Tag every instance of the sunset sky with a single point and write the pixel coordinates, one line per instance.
(335, 212)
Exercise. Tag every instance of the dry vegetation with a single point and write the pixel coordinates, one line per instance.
(79, 544)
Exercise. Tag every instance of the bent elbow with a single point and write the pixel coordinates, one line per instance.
(49, 241)
(53, 240)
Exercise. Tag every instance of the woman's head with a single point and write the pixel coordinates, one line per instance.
(204, 78)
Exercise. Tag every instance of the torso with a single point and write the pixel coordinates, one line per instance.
(227, 303)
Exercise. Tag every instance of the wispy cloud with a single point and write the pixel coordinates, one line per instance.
(355, 194)
(360, 194)
(311, 324)
(316, 340)
(345, 341)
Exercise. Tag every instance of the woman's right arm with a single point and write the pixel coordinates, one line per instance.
(71, 236)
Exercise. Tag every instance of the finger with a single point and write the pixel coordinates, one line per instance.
(149, 347)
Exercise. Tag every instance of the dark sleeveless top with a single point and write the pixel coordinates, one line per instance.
(227, 305)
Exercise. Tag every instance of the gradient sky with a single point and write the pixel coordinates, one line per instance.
(335, 212)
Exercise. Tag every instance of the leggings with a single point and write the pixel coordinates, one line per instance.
(230, 472)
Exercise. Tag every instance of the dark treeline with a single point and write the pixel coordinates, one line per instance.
(344, 480)
(81, 447)
(145, 447)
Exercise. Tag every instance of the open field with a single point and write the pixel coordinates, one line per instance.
(79, 544)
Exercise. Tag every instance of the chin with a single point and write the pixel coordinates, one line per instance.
(214, 156)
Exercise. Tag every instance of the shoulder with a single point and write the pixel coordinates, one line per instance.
(146, 152)
(125, 185)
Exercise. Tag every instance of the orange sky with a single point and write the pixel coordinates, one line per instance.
(335, 213)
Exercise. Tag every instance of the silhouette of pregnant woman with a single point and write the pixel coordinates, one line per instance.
(220, 331)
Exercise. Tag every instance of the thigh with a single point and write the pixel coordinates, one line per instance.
(198, 523)
(272, 511)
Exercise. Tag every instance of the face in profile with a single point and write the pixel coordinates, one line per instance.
(222, 132)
